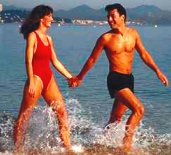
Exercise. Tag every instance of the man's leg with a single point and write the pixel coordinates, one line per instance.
(127, 97)
(117, 112)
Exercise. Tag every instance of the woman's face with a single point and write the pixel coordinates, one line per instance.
(47, 20)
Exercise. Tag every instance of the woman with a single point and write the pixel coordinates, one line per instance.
(39, 53)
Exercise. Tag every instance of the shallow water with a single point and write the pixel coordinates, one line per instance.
(89, 105)
(87, 137)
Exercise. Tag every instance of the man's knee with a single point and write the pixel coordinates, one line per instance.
(139, 111)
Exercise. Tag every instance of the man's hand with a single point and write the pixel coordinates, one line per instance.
(163, 78)
(74, 82)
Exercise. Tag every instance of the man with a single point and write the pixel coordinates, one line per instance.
(120, 44)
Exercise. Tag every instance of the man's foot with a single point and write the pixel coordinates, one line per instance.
(18, 150)
(127, 144)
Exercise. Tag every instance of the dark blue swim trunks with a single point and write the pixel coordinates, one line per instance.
(117, 81)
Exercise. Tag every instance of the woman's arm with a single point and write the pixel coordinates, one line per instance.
(57, 64)
(30, 46)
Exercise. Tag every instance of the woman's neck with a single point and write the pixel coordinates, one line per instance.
(42, 30)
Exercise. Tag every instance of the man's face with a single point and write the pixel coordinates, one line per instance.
(114, 19)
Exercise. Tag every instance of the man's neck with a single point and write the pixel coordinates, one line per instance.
(120, 30)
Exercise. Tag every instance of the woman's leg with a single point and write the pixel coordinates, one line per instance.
(55, 99)
(27, 105)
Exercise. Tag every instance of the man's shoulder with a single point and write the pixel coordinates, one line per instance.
(132, 30)
(105, 35)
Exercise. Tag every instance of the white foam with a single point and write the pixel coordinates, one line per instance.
(77, 148)
(6, 153)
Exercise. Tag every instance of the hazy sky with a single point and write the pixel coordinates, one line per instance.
(68, 4)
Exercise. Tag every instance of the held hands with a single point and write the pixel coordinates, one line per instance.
(74, 82)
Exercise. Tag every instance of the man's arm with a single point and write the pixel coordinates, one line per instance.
(148, 60)
(92, 58)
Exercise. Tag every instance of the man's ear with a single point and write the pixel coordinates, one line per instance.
(123, 17)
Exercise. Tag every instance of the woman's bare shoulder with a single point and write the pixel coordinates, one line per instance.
(32, 36)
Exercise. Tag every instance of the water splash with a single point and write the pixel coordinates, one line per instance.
(6, 128)
(87, 137)
(77, 148)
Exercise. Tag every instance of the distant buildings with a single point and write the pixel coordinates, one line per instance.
(1, 7)
(15, 15)
(88, 22)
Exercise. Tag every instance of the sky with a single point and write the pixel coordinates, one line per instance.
(96, 4)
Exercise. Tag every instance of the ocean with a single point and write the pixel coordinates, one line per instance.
(89, 105)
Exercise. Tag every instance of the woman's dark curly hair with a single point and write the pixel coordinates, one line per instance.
(32, 22)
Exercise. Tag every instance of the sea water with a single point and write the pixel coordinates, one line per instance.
(89, 105)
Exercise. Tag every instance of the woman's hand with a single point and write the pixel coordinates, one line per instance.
(31, 88)
(74, 82)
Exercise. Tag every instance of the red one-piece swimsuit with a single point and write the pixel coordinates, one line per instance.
(41, 62)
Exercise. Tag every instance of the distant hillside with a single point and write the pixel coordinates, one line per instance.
(147, 14)
(81, 12)
(12, 7)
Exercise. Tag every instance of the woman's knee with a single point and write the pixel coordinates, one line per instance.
(58, 106)
(24, 115)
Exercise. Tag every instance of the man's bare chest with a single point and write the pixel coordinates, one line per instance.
(120, 44)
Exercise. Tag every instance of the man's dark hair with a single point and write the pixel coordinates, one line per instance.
(121, 10)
